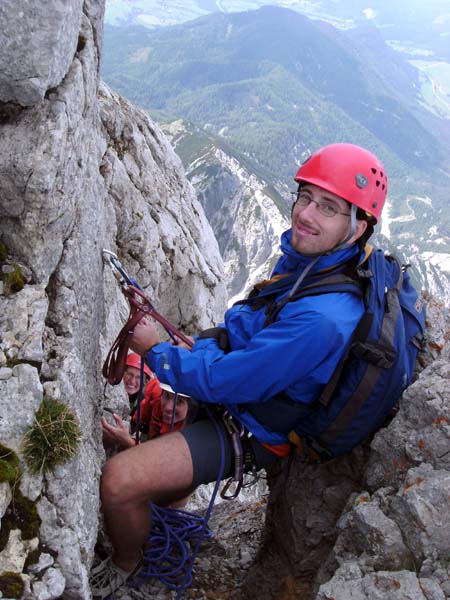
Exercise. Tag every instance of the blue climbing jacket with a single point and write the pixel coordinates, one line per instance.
(377, 366)
(295, 356)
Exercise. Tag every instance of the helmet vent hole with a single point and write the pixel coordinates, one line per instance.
(381, 174)
(383, 187)
(377, 183)
(374, 171)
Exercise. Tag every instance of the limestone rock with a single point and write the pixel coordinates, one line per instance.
(420, 432)
(22, 396)
(36, 47)
(81, 170)
(380, 586)
(5, 497)
(368, 533)
(50, 587)
(421, 507)
(14, 555)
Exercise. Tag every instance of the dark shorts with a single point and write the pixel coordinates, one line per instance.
(210, 444)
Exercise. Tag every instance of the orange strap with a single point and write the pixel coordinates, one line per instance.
(281, 450)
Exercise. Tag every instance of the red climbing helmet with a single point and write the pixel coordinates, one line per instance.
(349, 171)
(134, 360)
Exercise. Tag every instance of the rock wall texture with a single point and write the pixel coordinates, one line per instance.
(80, 170)
(36, 47)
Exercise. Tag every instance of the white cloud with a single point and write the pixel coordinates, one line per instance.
(369, 13)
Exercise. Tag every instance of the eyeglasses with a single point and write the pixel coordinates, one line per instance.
(325, 207)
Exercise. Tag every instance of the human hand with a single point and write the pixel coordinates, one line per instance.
(116, 434)
(180, 344)
(144, 337)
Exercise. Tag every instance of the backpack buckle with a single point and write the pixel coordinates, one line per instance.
(363, 273)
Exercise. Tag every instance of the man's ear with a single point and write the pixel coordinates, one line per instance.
(360, 228)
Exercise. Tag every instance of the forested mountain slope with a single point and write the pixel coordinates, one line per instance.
(272, 86)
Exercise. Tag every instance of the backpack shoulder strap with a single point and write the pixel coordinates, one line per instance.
(379, 292)
(329, 284)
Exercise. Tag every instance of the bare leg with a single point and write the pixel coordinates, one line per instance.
(179, 503)
(159, 471)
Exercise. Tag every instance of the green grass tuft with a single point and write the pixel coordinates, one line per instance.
(53, 439)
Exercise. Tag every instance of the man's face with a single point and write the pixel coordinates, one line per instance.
(181, 408)
(313, 232)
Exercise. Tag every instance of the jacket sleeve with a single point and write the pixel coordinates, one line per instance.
(298, 352)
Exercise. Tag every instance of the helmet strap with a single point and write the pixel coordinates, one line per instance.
(303, 274)
(353, 211)
(351, 233)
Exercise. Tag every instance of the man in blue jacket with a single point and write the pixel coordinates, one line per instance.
(273, 350)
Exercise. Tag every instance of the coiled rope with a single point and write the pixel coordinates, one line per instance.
(176, 536)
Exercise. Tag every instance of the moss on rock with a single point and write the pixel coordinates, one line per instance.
(11, 585)
(9, 465)
(21, 514)
(3, 253)
(13, 280)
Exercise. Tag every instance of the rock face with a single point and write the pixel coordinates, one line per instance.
(80, 170)
(238, 202)
(30, 65)
(243, 210)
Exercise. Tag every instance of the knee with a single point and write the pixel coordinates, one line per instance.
(115, 486)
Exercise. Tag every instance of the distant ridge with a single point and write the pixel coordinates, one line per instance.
(267, 87)
(298, 83)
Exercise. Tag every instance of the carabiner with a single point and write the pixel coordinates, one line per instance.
(119, 272)
(235, 434)
(231, 426)
(226, 487)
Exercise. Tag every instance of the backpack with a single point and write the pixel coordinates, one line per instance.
(375, 370)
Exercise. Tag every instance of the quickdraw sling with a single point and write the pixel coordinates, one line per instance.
(140, 307)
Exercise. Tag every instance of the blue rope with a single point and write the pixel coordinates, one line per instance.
(176, 536)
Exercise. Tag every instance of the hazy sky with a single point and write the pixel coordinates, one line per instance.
(412, 12)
